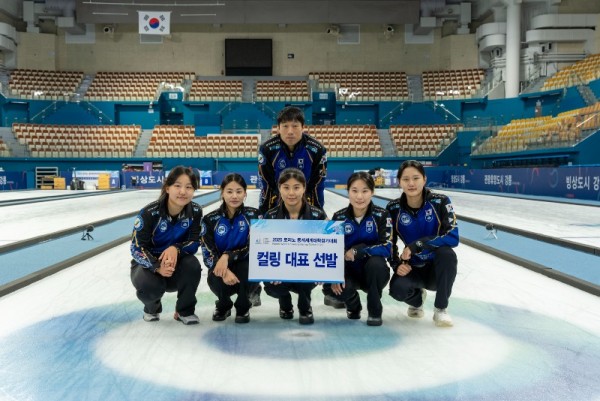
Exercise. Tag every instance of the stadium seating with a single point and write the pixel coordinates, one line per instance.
(278, 91)
(216, 90)
(72, 141)
(346, 140)
(364, 86)
(180, 141)
(564, 130)
(132, 86)
(422, 140)
(452, 84)
(44, 85)
(582, 71)
(4, 152)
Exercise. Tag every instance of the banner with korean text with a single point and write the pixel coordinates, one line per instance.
(296, 250)
(154, 22)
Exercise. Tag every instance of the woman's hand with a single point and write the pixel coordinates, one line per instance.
(406, 254)
(337, 288)
(165, 271)
(349, 255)
(230, 278)
(168, 261)
(221, 266)
(403, 269)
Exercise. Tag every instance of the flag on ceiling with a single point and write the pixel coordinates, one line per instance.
(154, 22)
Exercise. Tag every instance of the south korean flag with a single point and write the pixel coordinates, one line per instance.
(154, 22)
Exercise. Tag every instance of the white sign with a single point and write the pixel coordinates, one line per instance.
(90, 177)
(297, 250)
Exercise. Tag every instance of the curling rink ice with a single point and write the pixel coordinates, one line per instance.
(517, 335)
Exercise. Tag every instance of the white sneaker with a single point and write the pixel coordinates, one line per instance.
(417, 311)
(191, 319)
(442, 318)
(151, 317)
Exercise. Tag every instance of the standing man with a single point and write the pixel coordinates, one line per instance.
(291, 148)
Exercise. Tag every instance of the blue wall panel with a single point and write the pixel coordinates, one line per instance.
(11, 180)
(595, 87)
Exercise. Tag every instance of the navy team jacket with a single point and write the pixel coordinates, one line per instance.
(431, 226)
(220, 234)
(372, 236)
(309, 155)
(154, 231)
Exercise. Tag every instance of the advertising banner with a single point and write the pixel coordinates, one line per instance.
(562, 182)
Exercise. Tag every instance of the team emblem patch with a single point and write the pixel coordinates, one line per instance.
(185, 223)
(242, 226)
(348, 228)
(428, 215)
(162, 226)
(261, 158)
(138, 224)
(301, 164)
(281, 164)
(369, 226)
(405, 219)
(221, 230)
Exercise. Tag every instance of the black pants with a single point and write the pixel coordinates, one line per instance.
(327, 291)
(371, 277)
(282, 292)
(224, 291)
(437, 275)
(151, 286)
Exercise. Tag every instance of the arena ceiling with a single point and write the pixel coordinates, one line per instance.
(247, 11)
(253, 12)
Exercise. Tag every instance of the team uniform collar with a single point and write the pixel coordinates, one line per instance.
(404, 201)
(367, 213)
(223, 210)
(282, 212)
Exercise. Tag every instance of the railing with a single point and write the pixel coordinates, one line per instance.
(392, 113)
(102, 117)
(447, 112)
(41, 115)
(268, 111)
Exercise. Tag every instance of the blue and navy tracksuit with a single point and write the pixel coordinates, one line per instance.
(371, 238)
(154, 231)
(224, 235)
(274, 156)
(303, 289)
(430, 232)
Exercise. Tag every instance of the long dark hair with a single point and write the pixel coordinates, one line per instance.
(174, 174)
(289, 174)
(410, 163)
(232, 177)
(361, 175)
